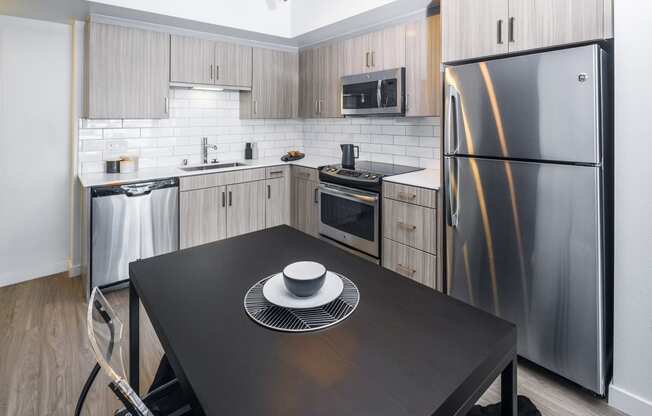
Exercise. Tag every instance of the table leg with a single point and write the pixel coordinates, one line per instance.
(134, 339)
(508, 392)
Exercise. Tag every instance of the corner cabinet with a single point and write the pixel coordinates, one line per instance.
(275, 86)
(474, 29)
(127, 72)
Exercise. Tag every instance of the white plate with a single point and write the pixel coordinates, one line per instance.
(275, 292)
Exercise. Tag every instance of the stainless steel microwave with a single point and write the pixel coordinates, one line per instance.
(374, 93)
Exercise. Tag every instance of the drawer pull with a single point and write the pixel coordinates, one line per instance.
(406, 269)
(408, 196)
(408, 227)
(305, 174)
(276, 172)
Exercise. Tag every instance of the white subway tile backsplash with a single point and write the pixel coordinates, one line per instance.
(195, 114)
(121, 133)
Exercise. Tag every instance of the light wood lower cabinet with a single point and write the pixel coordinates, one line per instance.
(276, 202)
(410, 224)
(305, 206)
(202, 215)
(245, 208)
(411, 263)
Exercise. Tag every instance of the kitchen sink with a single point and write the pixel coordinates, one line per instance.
(213, 166)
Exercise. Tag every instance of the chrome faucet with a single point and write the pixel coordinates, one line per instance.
(204, 150)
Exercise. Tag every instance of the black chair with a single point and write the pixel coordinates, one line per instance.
(165, 397)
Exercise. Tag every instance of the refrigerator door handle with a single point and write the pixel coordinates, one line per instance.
(452, 211)
(452, 140)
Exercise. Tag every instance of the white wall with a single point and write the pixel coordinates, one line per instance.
(308, 15)
(631, 388)
(35, 80)
(271, 17)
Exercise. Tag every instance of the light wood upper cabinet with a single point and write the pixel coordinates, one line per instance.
(233, 64)
(276, 202)
(202, 216)
(192, 60)
(202, 61)
(245, 208)
(308, 83)
(542, 23)
(275, 86)
(128, 72)
(355, 57)
(422, 67)
(376, 51)
(328, 75)
(319, 81)
(388, 48)
(473, 28)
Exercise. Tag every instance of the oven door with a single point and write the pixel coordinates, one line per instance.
(350, 216)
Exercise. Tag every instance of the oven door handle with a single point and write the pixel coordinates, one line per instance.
(353, 196)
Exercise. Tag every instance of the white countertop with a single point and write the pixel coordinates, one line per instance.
(426, 178)
(147, 174)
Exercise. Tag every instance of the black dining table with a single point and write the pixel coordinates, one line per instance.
(405, 350)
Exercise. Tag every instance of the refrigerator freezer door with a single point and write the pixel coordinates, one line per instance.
(524, 242)
(544, 106)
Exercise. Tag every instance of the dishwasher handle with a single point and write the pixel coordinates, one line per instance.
(134, 189)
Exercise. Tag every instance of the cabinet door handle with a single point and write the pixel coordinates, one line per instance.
(366, 59)
(167, 105)
(217, 72)
(372, 58)
(405, 226)
(316, 107)
(269, 191)
(405, 195)
(211, 71)
(510, 30)
(230, 198)
(499, 29)
(223, 199)
(319, 106)
(255, 107)
(316, 198)
(406, 269)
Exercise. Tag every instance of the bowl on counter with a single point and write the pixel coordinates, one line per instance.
(304, 278)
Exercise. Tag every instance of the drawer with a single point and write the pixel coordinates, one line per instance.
(410, 224)
(308, 174)
(411, 263)
(188, 183)
(276, 172)
(412, 194)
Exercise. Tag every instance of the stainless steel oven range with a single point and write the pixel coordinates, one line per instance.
(350, 204)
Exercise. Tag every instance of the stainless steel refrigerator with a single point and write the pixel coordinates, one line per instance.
(526, 224)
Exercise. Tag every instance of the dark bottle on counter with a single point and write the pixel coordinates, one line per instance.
(248, 151)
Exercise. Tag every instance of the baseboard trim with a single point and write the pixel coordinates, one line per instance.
(628, 402)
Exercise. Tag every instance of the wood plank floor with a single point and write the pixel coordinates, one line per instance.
(45, 357)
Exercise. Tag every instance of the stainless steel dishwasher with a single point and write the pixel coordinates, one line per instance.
(131, 222)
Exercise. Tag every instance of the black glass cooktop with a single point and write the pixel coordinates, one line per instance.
(377, 168)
